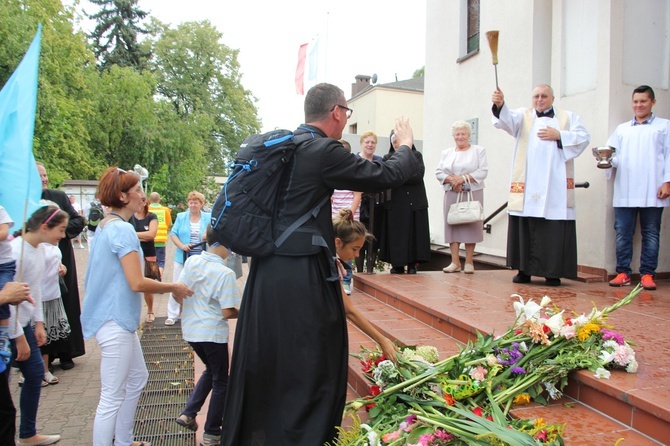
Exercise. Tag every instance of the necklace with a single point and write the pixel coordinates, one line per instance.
(117, 215)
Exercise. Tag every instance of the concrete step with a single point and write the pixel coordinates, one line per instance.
(446, 310)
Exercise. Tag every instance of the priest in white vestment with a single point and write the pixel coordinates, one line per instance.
(641, 168)
(542, 236)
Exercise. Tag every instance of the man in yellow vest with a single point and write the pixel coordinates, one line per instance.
(164, 215)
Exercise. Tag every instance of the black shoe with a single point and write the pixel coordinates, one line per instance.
(398, 270)
(521, 277)
(66, 364)
(552, 281)
(411, 269)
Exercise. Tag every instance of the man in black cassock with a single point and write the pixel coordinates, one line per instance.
(71, 298)
(289, 365)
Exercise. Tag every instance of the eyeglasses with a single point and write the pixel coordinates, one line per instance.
(349, 110)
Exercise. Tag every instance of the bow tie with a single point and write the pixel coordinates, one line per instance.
(548, 113)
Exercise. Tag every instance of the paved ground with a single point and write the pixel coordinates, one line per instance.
(68, 408)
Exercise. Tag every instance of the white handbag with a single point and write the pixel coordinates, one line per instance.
(465, 211)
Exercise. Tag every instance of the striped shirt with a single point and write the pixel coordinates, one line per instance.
(342, 199)
(214, 288)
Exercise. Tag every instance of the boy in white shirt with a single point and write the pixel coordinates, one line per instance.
(641, 166)
(204, 323)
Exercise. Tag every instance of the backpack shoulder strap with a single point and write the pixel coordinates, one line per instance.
(301, 221)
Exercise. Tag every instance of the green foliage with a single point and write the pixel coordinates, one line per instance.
(200, 78)
(115, 38)
(419, 72)
(182, 120)
(63, 105)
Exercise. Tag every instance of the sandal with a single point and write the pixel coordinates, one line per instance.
(140, 443)
(210, 440)
(22, 380)
(150, 318)
(49, 378)
(188, 423)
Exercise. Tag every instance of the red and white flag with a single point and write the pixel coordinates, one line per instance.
(307, 72)
(300, 70)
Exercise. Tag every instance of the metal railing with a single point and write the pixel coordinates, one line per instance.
(487, 226)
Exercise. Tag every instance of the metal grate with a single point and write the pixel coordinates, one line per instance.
(169, 361)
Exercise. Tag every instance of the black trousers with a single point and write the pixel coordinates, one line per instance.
(7, 412)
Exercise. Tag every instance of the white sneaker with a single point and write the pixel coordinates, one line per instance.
(347, 288)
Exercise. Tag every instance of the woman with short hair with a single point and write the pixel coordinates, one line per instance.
(187, 234)
(114, 285)
(464, 163)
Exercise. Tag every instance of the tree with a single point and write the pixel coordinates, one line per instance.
(115, 37)
(63, 103)
(200, 78)
(420, 72)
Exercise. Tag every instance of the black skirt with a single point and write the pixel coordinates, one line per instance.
(540, 247)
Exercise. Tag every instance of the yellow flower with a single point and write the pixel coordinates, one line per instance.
(539, 423)
(522, 398)
(587, 330)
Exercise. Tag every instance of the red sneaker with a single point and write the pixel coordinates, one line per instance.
(647, 282)
(622, 279)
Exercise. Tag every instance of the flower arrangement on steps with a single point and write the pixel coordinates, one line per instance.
(418, 400)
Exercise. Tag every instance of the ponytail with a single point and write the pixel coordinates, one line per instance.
(347, 229)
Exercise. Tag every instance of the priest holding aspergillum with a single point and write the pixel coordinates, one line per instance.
(542, 235)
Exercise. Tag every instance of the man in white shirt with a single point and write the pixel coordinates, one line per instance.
(542, 235)
(641, 168)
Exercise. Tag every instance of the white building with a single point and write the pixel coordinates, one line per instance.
(592, 52)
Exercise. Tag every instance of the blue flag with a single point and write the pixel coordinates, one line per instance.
(20, 184)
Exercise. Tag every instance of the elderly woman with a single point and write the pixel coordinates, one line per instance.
(457, 164)
(187, 234)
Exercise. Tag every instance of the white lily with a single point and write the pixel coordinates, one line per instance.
(602, 373)
(546, 300)
(606, 357)
(555, 323)
(526, 310)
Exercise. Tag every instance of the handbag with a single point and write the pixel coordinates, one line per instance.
(152, 270)
(465, 211)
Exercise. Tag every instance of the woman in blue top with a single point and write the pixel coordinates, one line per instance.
(112, 305)
(187, 234)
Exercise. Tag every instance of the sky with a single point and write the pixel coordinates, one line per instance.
(383, 37)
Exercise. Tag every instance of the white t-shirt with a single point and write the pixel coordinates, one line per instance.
(52, 260)
(31, 265)
(76, 207)
(5, 248)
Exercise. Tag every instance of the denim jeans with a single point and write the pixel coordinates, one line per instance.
(33, 373)
(625, 221)
(123, 375)
(7, 271)
(160, 256)
(347, 279)
(214, 379)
